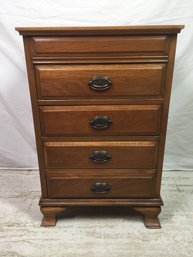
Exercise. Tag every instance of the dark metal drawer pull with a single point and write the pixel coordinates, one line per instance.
(100, 122)
(100, 156)
(100, 187)
(100, 83)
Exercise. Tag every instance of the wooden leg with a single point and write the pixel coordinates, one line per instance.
(150, 214)
(50, 214)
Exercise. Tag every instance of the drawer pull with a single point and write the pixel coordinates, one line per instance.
(100, 83)
(100, 122)
(100, 156)
(100, 188)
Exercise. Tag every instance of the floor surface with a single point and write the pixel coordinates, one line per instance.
(93, 232)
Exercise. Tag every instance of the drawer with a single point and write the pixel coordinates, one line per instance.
(101, 155)
(100, 187)
(99, 45)
(103, 120)
(100, 80)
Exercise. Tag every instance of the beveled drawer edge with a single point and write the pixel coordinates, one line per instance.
(100, 138)
(101, 60)
(101, 143)
(104, 101)
(70, 176)
(92, 172)
(59, 108)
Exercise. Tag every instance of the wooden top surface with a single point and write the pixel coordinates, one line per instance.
(115, 30)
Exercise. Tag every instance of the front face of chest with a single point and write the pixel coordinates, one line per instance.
(100, 102)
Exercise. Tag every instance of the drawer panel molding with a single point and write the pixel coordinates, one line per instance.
(54, 45)
(62, 81)
(113, 187)
(97, 155)
(125, 119)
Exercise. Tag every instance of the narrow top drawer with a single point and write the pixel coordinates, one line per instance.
(98, 44)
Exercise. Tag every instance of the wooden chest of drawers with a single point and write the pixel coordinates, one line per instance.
(100, 99)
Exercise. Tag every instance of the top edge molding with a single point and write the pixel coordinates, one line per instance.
(115, 30)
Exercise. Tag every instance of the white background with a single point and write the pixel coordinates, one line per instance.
(17, 143)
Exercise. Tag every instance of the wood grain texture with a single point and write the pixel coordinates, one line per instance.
(131, 119)
(102, 202)
(80, 187)
(94, 172)
(99, 44)
(99, 58)
(36, 119)
(73, 81)
(122, 154)
(150, 216)
(50, 215)
(101, 101)
(167, 94)
(119, 138)
(101, 30)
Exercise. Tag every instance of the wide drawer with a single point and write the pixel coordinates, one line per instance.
(100, 80)
(91, 120)
(100, 186)
(101, 155)
(98, 44)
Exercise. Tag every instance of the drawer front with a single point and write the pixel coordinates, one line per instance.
(100, 80)
(97, 44)
(101, 155)
(103, 120)
(100, 187)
